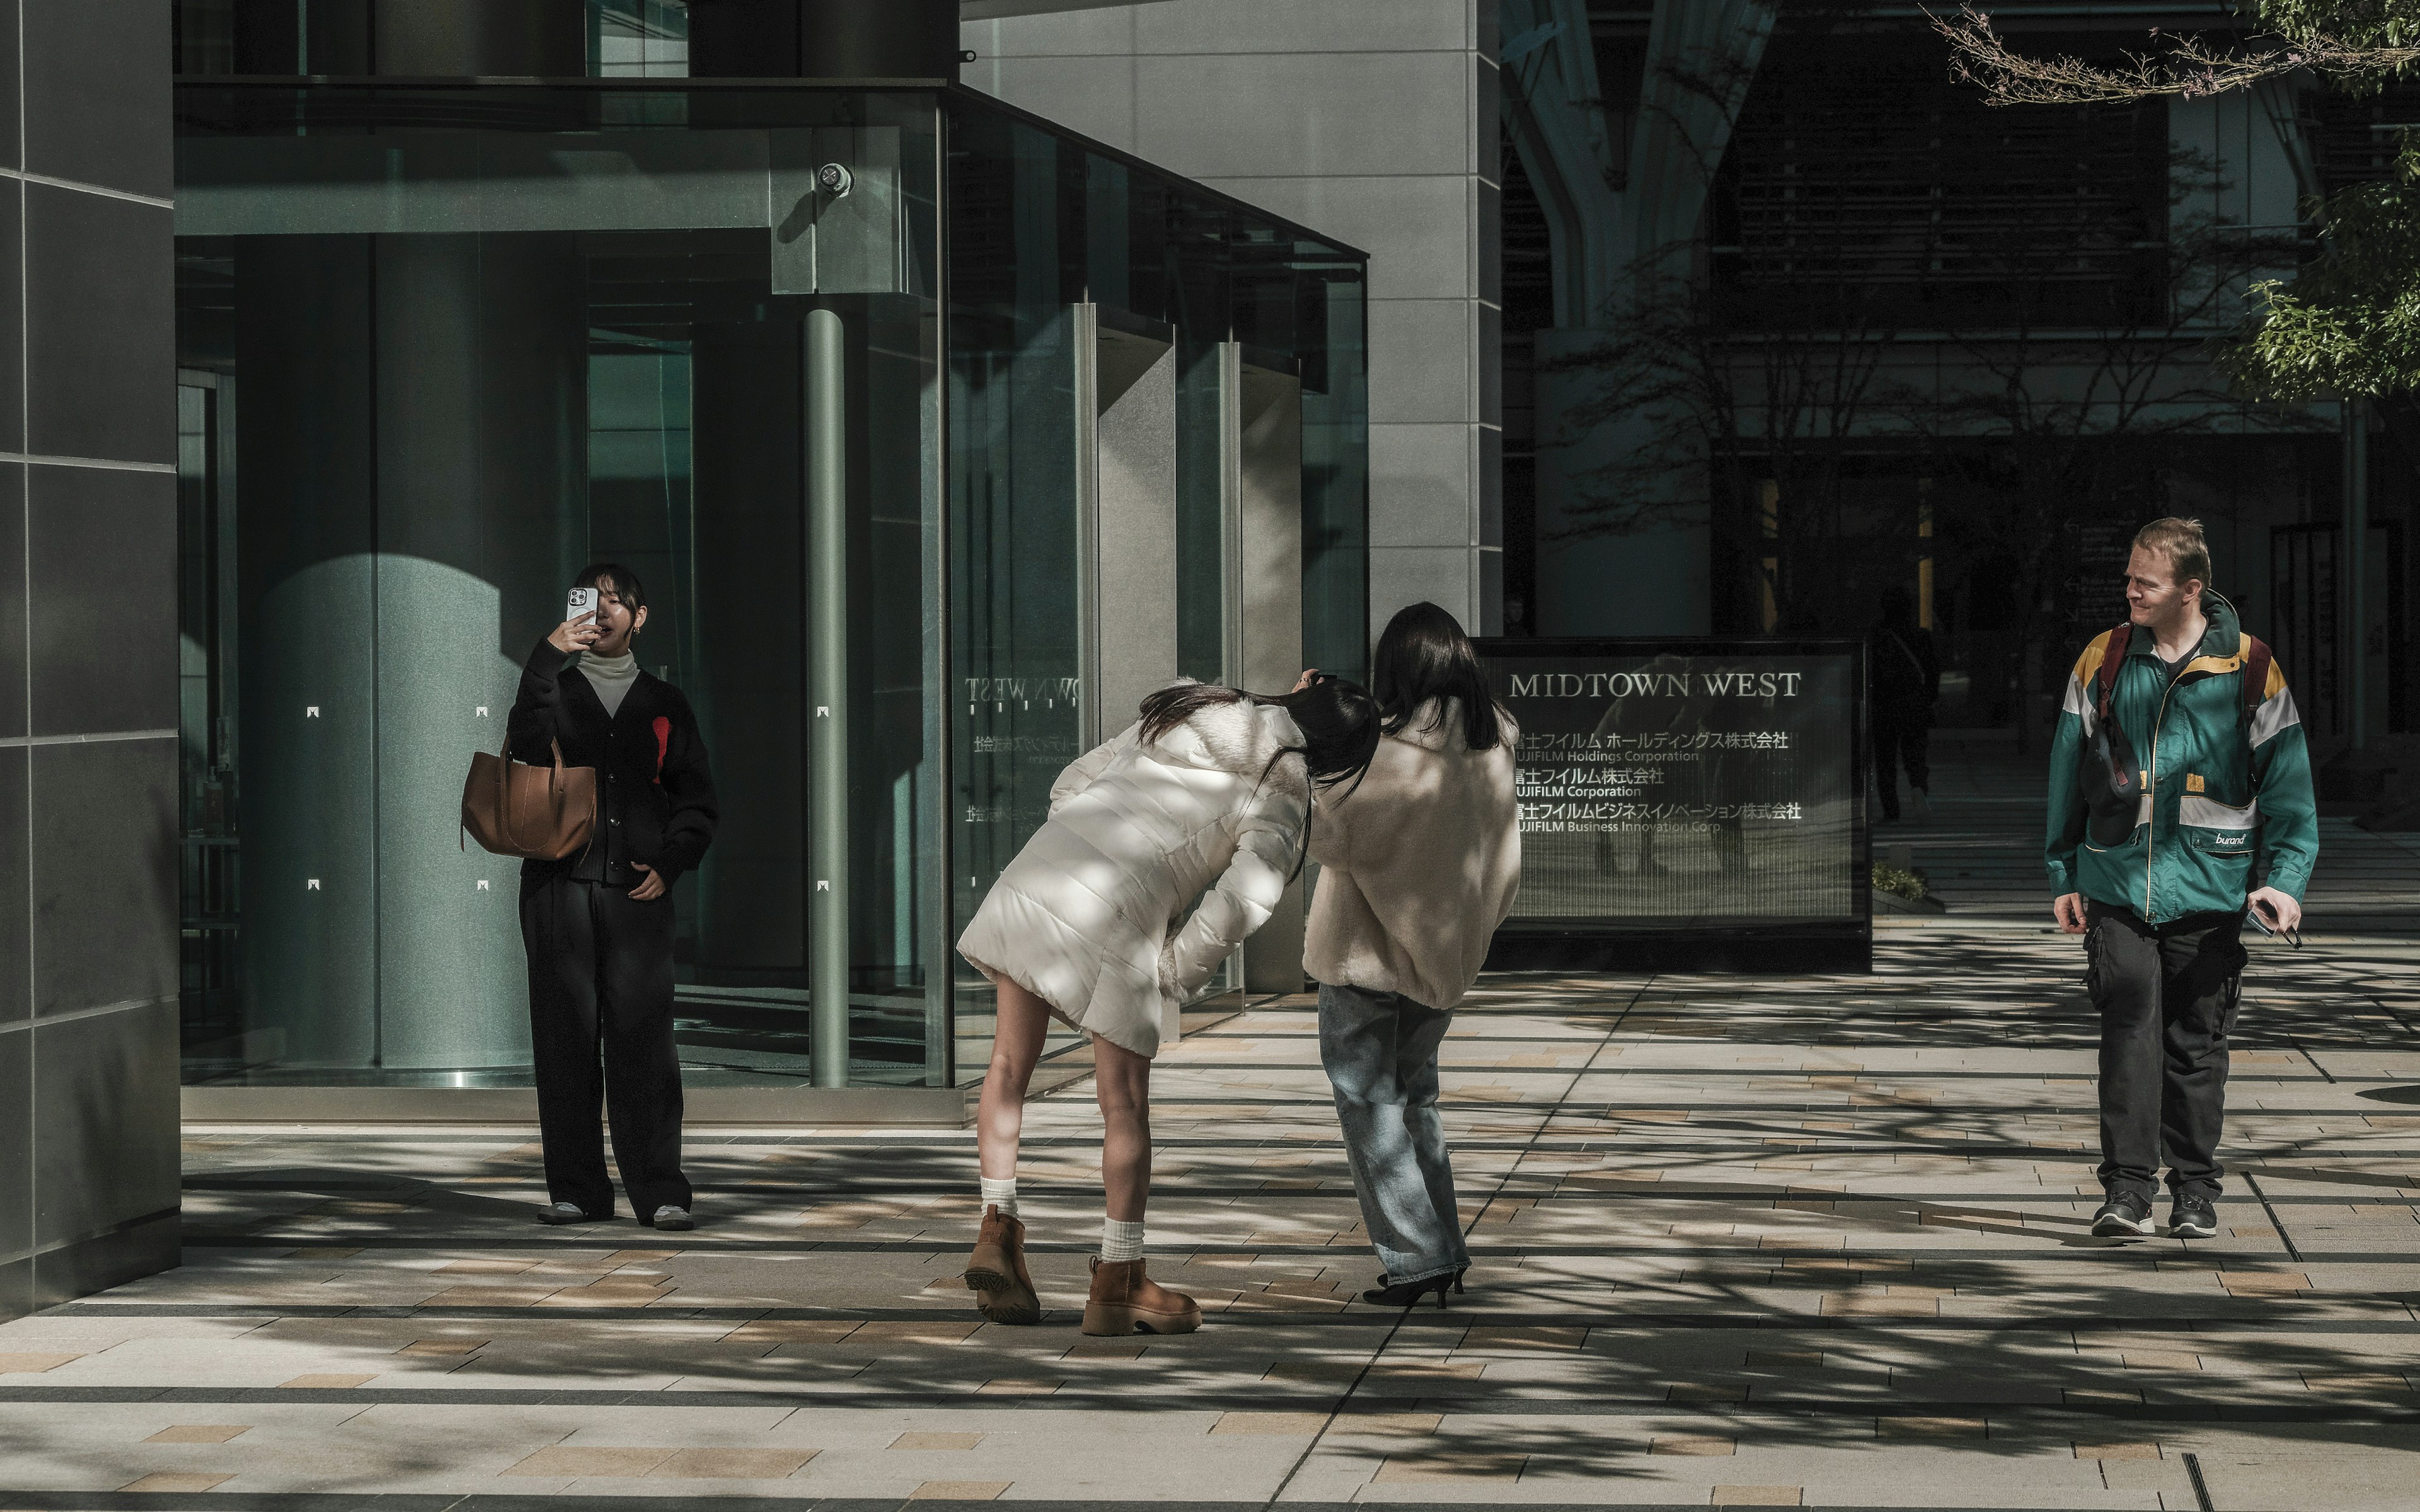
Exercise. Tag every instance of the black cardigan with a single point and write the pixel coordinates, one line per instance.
(654, 791)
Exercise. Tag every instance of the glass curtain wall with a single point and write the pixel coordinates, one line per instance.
(1047, 237)
(440, 349)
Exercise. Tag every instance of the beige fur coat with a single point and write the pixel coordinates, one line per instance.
(1417, 865)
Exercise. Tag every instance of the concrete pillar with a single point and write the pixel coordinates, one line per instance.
(90, 834)
(1266, 602)
(413, 453)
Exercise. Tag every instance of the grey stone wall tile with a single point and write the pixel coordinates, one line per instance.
(1403, 112)
(105, 1107)
(1401, 575)
(102, 656)
(103, 874)
(1414, 376)
(15, 978)
(99, 326)
(96, 93)
(13, 599)
(1420, 488)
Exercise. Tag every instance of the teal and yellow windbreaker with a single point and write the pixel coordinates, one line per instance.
(2218, 792)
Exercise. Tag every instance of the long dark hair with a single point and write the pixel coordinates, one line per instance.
(1424, 656)
(1338, 718)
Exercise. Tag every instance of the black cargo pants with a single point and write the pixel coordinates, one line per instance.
(600, 975)
(2166, 994)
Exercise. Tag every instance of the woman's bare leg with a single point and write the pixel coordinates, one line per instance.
(1122, 1081)
(1018, 1031)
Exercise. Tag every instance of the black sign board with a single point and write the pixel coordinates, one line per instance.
(1688, 804)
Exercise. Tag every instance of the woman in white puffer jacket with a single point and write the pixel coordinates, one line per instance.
(1211, 789)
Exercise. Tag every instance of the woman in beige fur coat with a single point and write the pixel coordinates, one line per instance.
(1418, 863)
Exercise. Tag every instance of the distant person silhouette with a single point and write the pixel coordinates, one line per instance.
(1906, 672)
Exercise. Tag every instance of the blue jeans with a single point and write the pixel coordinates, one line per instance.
(1380, 1054)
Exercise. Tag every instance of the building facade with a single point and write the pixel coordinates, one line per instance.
(1796, 320)
(1375, 119)
(936, 434)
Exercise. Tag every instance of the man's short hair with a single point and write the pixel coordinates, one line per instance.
(2180, 541)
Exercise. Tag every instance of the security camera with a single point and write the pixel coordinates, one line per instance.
(834, 180)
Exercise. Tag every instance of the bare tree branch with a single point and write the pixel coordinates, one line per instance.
(2191, 69)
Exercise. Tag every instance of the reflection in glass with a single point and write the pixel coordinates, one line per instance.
(439, 346)
(437, 428)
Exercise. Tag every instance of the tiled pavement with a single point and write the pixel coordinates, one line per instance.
(1740, 1241)
(1815, 1243)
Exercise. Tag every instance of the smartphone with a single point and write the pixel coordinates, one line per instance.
(2258, 918)
(584, 601)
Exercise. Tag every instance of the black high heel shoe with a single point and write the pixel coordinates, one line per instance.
(1408, 1293)
(1457, 1279)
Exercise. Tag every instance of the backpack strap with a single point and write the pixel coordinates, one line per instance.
(2112, 657)
(2256, 658)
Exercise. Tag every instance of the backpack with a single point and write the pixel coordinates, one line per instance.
(2112, 783)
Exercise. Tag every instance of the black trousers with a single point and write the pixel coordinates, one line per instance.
(1900, 737)
(2166, 994)
(601, 970)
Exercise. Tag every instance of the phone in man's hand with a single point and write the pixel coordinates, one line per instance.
(584, 601)
(2257, 916)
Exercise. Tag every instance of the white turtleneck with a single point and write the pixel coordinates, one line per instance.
(611, 676)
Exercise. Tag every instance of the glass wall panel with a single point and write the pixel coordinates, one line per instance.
(1336, 631)
(469, 341)
(1013, 434)
(1039, 225)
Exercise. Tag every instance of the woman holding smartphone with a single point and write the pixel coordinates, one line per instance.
(1205, 798)
(599, 926)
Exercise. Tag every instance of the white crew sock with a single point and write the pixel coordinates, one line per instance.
(1120, 1242)
(1001, 1195)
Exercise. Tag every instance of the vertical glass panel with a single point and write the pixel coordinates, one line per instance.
(637, 38)
(1013, 482)
(1201, 484)
(1336, 477)
(445, 426)
(210, 856)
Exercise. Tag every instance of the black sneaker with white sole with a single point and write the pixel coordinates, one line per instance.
(2194, 1216)
(2124, 1214)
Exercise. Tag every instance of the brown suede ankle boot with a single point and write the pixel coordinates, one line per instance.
(1126, 1301)
(995, 1271)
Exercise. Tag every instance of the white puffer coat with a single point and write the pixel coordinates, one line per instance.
(1085, 917)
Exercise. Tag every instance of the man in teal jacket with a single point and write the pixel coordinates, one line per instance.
(2180, 794)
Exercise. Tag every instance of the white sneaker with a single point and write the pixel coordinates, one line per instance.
(677, 1219)
(562, 1213)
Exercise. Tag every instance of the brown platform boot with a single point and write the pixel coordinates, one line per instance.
(1126, 1301)
(995, 1271)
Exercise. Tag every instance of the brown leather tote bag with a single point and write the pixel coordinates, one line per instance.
(535, 812)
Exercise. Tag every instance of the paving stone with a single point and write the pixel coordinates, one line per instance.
(601, 1461)
(1700, 1445)
(1757, 1496)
